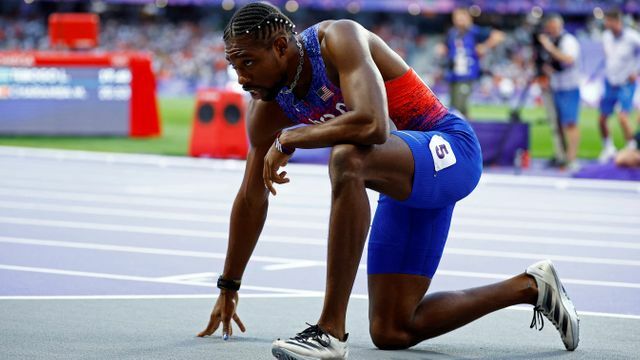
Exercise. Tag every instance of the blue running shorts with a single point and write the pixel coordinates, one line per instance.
(408, 237)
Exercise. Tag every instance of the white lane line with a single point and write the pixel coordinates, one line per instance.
(288, 262)
(116, 158)
(238, 166)
(585, 313)
(167, 297)
(254, 296)
(207, 204)
(559, 183)
(289, 206)
(494, 276)
(292, 265)
(158, 215)
(534, 256)
(547, 226)
(549, 240)
(109, 276)
(545, 214)
(198, 217)
(320, 225)
(205, 216)
(221, 235)
(114, 227)
(190, 277)
(224, 191)
(147, 250)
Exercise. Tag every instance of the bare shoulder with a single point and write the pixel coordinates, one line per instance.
(348, 45)
(264, 120)
(337, 35)
(343, 29)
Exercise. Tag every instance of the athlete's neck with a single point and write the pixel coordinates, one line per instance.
(304, 80)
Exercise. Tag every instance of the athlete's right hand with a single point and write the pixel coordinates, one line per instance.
(223, 311)
(273, 161)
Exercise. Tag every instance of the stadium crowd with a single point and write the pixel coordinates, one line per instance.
(190, 53)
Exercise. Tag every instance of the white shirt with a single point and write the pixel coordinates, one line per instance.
(621, 55)
(569, 77)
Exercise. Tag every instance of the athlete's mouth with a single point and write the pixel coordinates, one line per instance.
(254, 92)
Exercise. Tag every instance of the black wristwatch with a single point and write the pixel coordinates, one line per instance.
(228, 284)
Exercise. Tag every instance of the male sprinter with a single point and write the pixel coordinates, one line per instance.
(351, 88)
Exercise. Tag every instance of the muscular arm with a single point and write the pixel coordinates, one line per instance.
(250, 206)
(346, 45)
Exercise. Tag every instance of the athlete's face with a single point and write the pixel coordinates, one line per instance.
(261, 69)
(613, 24)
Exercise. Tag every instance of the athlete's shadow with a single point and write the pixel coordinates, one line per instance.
(423, 354)
(411, 354)
(540, 355)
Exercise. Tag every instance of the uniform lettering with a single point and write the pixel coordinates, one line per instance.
(340, 107)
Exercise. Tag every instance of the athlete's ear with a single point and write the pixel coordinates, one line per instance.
(280, 45)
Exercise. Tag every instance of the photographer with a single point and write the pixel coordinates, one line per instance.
(559, 52)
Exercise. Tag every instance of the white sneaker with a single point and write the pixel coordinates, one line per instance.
(554, 304)
(311, 344)
(608, 153)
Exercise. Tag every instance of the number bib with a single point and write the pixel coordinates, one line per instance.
(442, 153)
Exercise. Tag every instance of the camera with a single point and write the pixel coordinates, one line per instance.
(542, 56)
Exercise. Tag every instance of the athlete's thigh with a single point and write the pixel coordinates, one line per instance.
(389, 167)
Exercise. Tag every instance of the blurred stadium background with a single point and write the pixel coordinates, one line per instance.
(185, 43)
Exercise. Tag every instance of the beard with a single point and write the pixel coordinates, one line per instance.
(267, 93)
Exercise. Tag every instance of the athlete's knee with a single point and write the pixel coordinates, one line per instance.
(386, 336)
(345, 163)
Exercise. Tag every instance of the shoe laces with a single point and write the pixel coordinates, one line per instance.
(538, 317)
(313, 332)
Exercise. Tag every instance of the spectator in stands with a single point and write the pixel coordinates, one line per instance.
(564, 74)
(466, 43)
(620, 46)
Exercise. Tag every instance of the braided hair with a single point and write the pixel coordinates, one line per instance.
(259, 20)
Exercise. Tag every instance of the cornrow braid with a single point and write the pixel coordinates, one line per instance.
(259, 20)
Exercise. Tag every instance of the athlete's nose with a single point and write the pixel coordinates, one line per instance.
(242, 79)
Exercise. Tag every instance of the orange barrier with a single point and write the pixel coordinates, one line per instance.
(219, 128)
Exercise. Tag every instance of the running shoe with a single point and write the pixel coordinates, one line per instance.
(312, 344)
(554, 303)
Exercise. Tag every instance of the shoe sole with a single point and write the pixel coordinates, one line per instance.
(283, 354)
(570, 309)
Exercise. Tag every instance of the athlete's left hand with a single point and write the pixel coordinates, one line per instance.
(273, 161)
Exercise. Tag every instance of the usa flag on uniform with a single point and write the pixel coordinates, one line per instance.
(324, 93)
